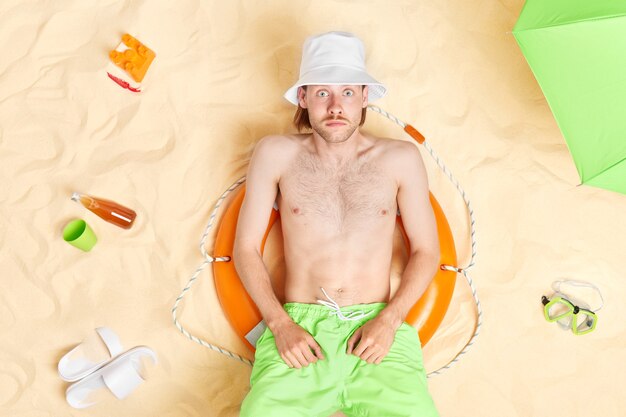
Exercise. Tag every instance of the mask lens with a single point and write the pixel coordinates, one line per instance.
(558, 309)
(585, 322)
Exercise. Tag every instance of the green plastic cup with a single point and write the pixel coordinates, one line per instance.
(78, 233)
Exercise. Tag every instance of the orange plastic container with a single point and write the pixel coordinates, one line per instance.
(130, 62)
(135, 60)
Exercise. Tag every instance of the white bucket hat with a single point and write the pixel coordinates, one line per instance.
(334, 58)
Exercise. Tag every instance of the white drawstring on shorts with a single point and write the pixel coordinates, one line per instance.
(354, 315)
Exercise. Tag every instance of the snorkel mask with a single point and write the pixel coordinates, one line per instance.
(568, 312)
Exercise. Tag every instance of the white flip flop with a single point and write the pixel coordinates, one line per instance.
(77, 363)
(121, 376)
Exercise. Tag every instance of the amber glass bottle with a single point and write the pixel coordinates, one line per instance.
(108, 210)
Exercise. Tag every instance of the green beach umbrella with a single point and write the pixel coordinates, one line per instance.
(577, 52)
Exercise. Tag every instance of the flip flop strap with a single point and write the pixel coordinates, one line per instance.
(121, 378)
(111, 341)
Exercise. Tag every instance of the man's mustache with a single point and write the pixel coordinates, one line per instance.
(336, 119)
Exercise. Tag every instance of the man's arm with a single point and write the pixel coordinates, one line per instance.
(420, 226)
(294, 343)
(377, 335)
(261, 190)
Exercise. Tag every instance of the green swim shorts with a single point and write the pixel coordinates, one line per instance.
(395, 387)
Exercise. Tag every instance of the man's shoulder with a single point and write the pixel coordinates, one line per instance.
(278, 150)
(394, 147)
(399, 156)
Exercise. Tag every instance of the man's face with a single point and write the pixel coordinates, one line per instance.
(334, 110)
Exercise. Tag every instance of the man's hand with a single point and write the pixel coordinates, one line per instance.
(295, 345)
(372, 341)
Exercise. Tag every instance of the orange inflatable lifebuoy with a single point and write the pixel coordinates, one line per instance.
(244, 316)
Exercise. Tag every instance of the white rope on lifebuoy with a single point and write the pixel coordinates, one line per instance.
(207, 260)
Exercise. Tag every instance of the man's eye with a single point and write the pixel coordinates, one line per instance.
(349, 93)
(323, 94)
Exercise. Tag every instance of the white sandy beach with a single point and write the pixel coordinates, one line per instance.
(453, 70)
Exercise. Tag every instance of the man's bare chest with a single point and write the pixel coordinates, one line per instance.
(351, 195)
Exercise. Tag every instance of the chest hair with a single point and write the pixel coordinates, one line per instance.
(344, 195)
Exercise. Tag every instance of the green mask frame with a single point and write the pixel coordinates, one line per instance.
(568, 313)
